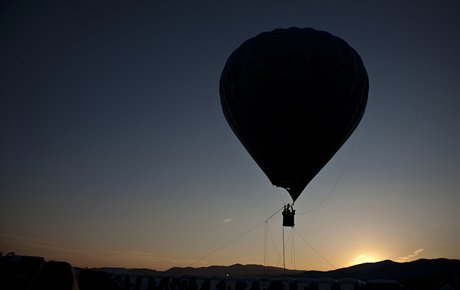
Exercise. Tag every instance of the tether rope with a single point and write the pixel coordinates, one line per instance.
(234, 239)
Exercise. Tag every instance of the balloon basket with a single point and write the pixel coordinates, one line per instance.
(288, 217)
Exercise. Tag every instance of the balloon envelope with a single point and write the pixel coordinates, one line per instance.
(293, 97)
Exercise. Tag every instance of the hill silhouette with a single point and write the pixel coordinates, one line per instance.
(419, 269)
(415, 270)
(236, 270)
(233, 271)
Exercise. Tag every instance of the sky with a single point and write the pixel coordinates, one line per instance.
(114, 150)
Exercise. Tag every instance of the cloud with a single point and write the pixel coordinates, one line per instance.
(358, 259)
(362, 259)
(228, 221)
(413, 255)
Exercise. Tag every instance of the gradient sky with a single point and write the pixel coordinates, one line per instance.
(114, 150)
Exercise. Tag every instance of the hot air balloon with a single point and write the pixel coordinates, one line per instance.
(293, 97)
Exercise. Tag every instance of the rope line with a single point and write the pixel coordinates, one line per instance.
(316, 251)
(274, 246)
(265, 244)
(235, 239)
(336, 183)
(292, 248)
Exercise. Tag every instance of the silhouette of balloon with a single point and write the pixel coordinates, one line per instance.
(293, 97)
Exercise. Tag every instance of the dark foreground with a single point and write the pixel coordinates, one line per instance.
(34, 273)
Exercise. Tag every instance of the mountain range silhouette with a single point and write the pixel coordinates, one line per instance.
(419, 269)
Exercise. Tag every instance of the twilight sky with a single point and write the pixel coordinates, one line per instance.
(114, 150)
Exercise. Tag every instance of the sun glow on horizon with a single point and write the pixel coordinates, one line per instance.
(363, 258)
